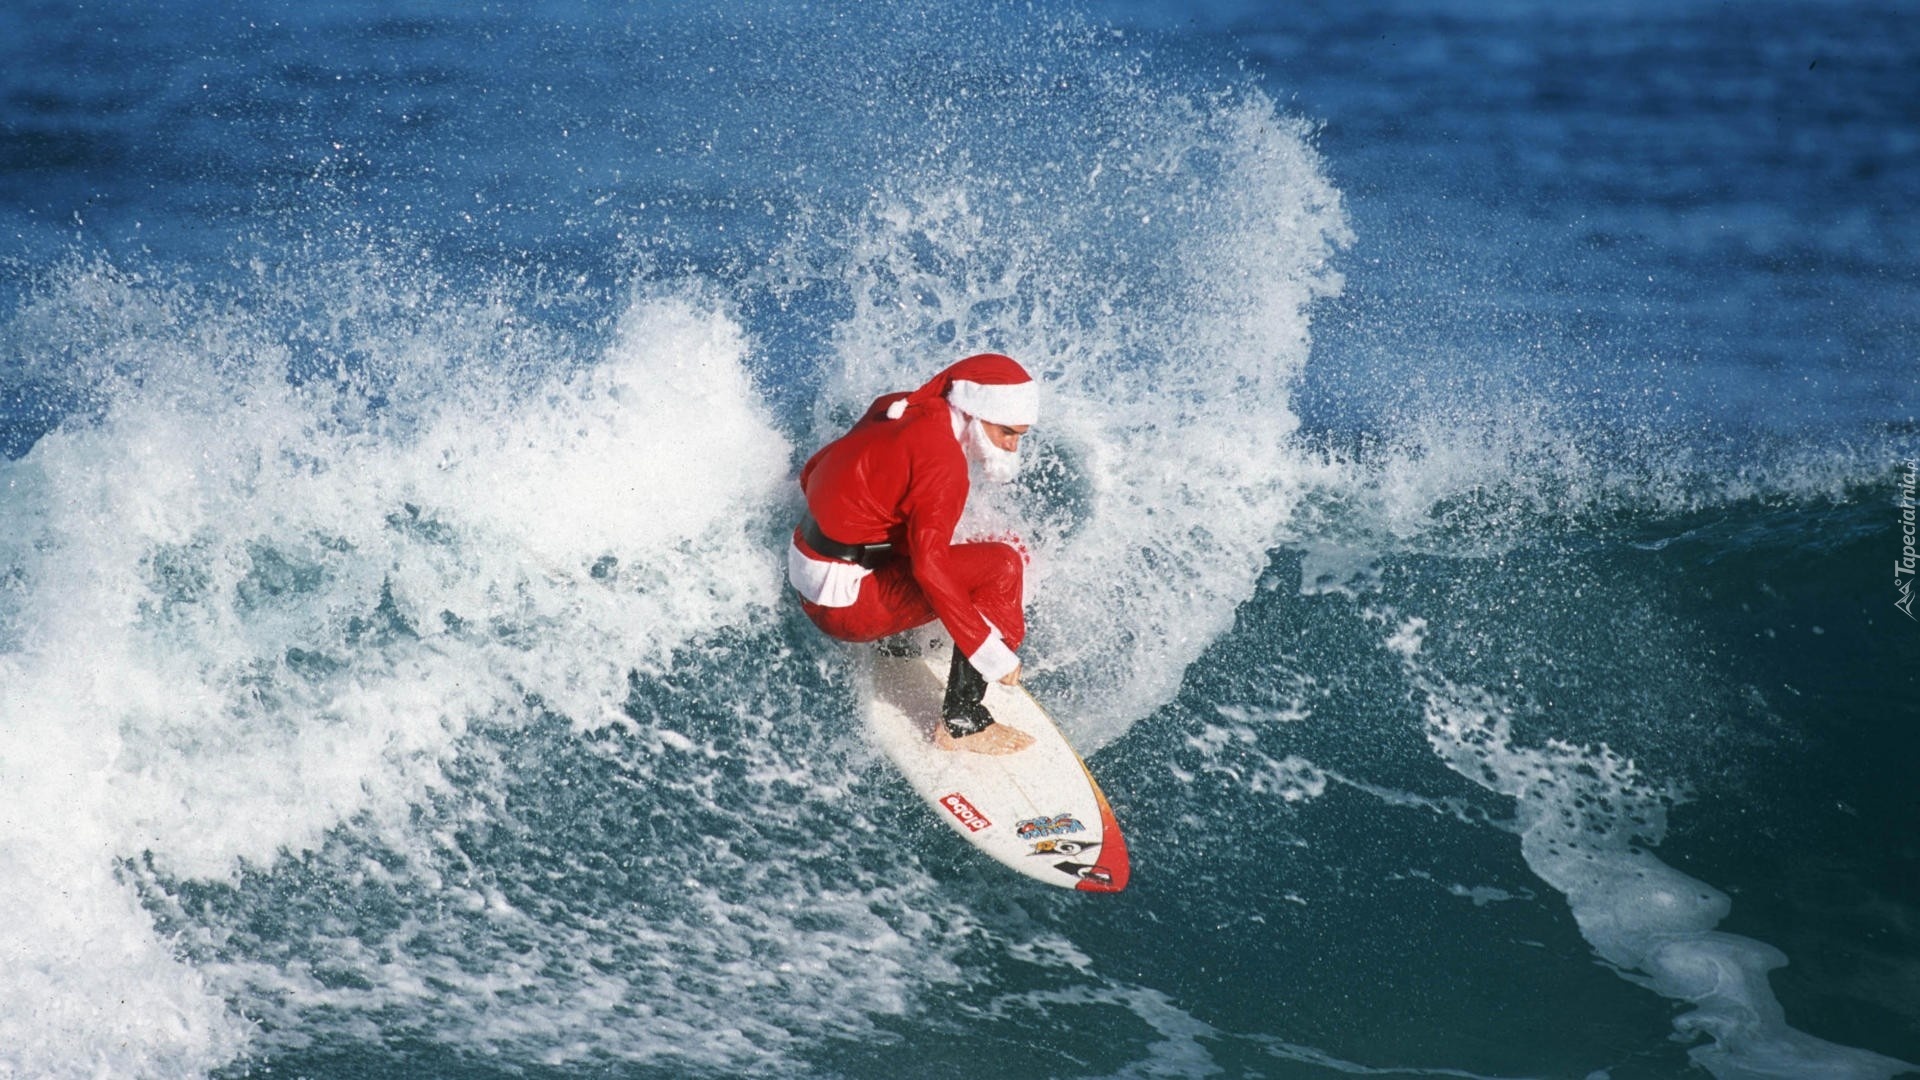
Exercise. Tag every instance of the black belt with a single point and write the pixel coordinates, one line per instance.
(870, 556)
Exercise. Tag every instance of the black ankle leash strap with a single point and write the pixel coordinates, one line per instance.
(962, 710)
(971, 722)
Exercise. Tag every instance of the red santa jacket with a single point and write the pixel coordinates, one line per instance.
(902, 482)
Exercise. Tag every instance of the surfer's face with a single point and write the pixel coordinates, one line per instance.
(994, 447)
(1003, 436)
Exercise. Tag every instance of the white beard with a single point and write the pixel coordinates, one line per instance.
(995, 464)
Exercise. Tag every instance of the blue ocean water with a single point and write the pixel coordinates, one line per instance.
(1472, 516)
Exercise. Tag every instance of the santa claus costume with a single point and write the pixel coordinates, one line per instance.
(875, 554)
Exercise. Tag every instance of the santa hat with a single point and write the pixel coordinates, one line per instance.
(990, 386)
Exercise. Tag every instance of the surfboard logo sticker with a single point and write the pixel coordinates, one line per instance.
(1094, 875)
(1055, 825)
(963, 811)
(1061, 847)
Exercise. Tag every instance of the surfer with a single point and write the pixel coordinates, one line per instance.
(875, 556)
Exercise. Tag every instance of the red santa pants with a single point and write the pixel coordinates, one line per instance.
(890, 599)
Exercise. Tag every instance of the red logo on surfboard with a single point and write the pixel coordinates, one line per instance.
(960, 808)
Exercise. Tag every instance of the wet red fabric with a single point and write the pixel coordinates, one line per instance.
(904, 481)
(891, 600)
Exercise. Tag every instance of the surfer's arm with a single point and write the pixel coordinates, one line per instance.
(935, 499)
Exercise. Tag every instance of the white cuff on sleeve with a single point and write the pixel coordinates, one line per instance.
(993, 659)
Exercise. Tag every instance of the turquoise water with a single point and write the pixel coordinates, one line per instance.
(1467, 520)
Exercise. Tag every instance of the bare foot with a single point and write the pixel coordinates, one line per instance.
(997, 739)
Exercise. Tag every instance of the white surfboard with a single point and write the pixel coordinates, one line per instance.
(1038, 811)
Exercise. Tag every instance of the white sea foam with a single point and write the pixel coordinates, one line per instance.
(1161, 470)
(721, 979)
(1461, 478)
(1583, 814)
(246, 612)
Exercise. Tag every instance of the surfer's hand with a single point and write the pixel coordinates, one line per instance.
(1012, 678)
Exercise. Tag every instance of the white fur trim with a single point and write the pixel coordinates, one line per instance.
(827, 582)
(993, 659)
(1012, 404)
